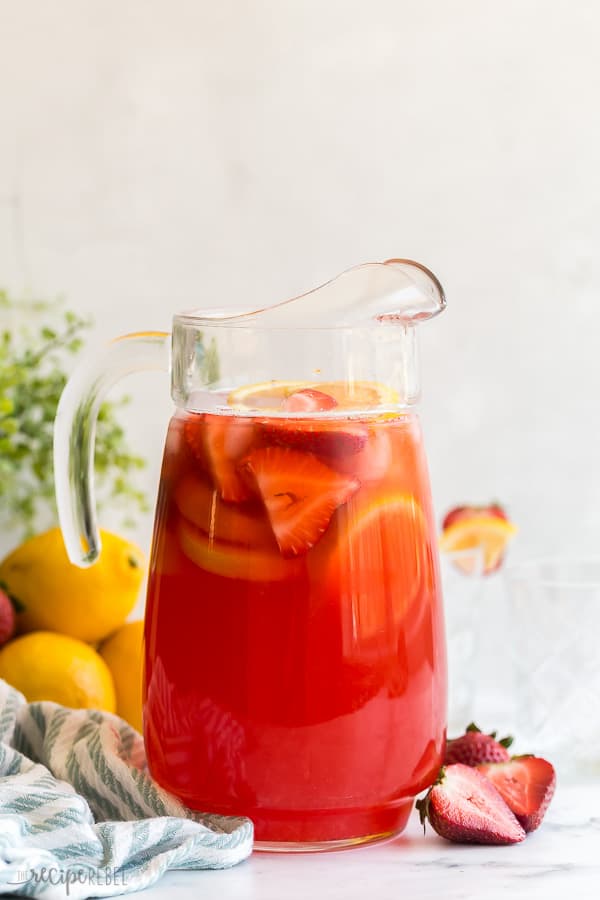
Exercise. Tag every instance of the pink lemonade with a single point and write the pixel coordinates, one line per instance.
(294, 651)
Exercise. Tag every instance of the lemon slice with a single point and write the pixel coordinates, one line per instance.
(269, 395)
(203, 508)
(265, 395)
(378, 566)
(231, 561)
(359, 394)
(490, 533)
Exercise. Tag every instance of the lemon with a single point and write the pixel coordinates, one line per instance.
(54, 595)
(233, 561)
(490, 533)
(48, 666)
(122, 653)
(379, 561)
(358, 395)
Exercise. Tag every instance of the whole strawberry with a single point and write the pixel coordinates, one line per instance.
(467, 512)
(474, 747)
(464, 806)
(7, 618)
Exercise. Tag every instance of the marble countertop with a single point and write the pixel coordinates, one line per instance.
(562, 857)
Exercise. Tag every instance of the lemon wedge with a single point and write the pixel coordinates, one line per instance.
(490, 533)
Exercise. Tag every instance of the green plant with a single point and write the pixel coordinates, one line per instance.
(37, 342)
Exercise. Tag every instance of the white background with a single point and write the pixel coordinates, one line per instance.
(161, 154)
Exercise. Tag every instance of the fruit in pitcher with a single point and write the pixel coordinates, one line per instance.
(231, 560)
(122, 653)
(51, 594)
(370, 462)
(351, 395)
(266, 395)
(262, 654)
(48, 666)
(464, 807)
(203, 507)
(7, 618)
(308, 400)
(379, 561)
(330, 439)
(472, 527)
(219, 442)
(475, 747)
(526, 784)
(363, 395)
(299, 493)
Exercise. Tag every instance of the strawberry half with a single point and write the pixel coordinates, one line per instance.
(475, 747)
(300, 495)
(526, 784)
(331, 439)
(220, 442)
(464, 807)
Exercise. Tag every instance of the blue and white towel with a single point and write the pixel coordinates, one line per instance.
(81, 817)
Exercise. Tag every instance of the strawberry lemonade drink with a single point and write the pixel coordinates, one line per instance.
(295, 667)
(294, 653)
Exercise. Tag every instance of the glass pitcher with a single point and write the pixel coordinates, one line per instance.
(294, 650)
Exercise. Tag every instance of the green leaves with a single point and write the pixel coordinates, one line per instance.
(34, 361)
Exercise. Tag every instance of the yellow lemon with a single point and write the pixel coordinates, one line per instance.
(54, 595)
(122, 653)
(48, 666)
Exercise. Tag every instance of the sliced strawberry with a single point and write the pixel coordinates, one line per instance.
(193, 429)
(475, 747)
(219, 442)
(308, 400)
(371, 462)
(464, 807)
(332, 439)
(526, 783)
(300, 495)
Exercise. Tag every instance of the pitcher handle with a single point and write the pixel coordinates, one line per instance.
(75, 433)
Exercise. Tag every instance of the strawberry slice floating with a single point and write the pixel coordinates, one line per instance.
(464, 806)
(335, 440)
(526, 784)
(300, 495)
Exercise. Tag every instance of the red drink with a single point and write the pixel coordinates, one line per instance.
(295, 668)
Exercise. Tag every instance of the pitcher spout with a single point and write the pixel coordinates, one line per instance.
(423, 296)
(395, 291)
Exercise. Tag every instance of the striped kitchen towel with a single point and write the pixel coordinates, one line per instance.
(80, 815)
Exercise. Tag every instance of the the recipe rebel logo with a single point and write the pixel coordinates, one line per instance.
(50, 875)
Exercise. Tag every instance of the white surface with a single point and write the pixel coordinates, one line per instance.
(558, 861)
(158, 154)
